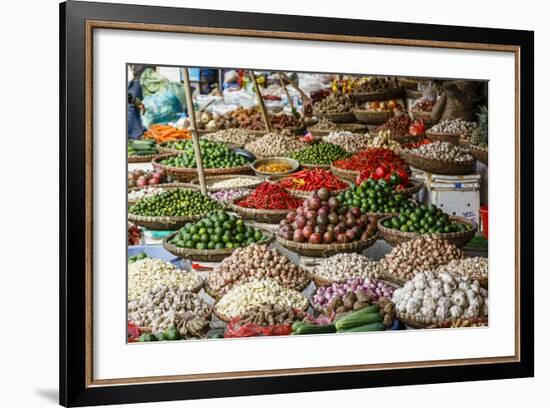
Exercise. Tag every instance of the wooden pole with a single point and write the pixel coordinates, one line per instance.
(295, 86)
(261, 102)
(193, 128)
(294, 112)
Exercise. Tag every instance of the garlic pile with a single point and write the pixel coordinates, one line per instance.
(444, 151)
(150, 273)
(340, 267)
(454, 126)
(274, 144)
(243, 298)
(350, 142)
(473, 268)
(237, 136)
(383, 139)
(430, 299)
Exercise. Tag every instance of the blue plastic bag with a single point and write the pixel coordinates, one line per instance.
(161, 107)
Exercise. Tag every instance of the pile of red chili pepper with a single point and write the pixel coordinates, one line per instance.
(269, 196)
(312, 180)
(368, 160)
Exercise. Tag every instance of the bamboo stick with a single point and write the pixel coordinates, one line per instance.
(261, 102)
(295, 86)
(193, 128)
(294, 112)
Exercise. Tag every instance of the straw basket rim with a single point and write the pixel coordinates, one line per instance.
(207, 179)
(336, 117)
(380, 95)
(479, 153)
(437, 166)
(372, 117)
(346, 175)
(142, 159)
(191, 171)
(163, 186)
(325, 250)
(443, 137)
(261, 215)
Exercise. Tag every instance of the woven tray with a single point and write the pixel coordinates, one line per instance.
(438, 166)
(209, 180)
(268, 216)
(204, 255)
(459, 239)
(417, 185)
(484, 321)
(382, 95)
(336, 117)
(165, 186)
(142, 159)
(443, 137)
(477, 152)
(415, 323)
(325, 250)
(162, 223)
(275, 160)
(372, 117)
(346, 175)
(315, 166)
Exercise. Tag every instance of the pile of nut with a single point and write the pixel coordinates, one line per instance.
(164, 307)
(324, 124)
(443, 151)
(397, 126)
(375, 84)
(334, 103)
(424, 253)
(351, 142)
(384, 140)
(269, 315)
(238, 137)
(472, 268)
(257, 262)
(150, 273)
(428, 298)
(454, 126)
(247, 296)
(280, 121)
(423, 105)
(341, 267)
(274, 144)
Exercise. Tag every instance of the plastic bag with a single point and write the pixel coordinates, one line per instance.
(161, 107)
(233, 329)
(152, 82)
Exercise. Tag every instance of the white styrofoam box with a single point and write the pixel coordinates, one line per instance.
(456, 195)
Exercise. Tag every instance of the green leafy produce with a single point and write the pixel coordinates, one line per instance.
(175, 203)
(217, 231)
(147, 337)
(141, 147)
(480, 135)
(214, 155)
(424, 219)
(320, 153)
(137, 257)
(375, 196)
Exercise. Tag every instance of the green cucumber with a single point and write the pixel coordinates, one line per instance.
(297, 324)
(307, 328)
(377, 326)
(369, 314)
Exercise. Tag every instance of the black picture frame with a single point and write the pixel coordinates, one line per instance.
(74, 390)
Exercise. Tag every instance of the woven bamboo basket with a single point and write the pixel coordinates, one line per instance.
(408, 83)
(162, 223)
(416, 186)
(381, 95)
(268, 216)
(326, 250)
(186, 174)
(413, 94)
(477, 152)
(347, 175)
(305, 194)
(448, 324)
(416, 323)
(438, 166)
(319, 133)
(315, 166)
(275, 160)
(424, 116)
(337, 117)
(372, 117)
(143, 159)
(163, 149)
(443, 137)
(209, 180)
(204, 255)
(459, 239)
(165, 186)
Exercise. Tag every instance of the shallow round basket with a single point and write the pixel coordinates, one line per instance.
(413, 322)
(443, 137)
(205, 255)
(448, 324)
(347, 175)
(321, 132)
(337, 117)
(267, 216)
(413, 94)
(424, 116)
(372, 117)
(165, 186)
(143, 159)
(209, 180)
(416, 186)
(477, 152)
(186, 174)
(294, 165)
(458, 239)
(163, 149)
(305, 194)
(381, 95)
(315, 166)
(438, 166)
(352, 127)
(162, 223)
(326, 250)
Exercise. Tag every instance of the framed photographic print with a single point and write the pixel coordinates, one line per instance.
(256, 204)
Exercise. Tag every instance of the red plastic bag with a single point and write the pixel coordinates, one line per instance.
(234, 329)
(132, 332)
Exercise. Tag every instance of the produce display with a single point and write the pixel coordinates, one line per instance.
(141, 148)
(472, 268)
(352, 294)
(320, 153)
(391, 105)
(430, 299)
(454, 126)
(274, 144)
(398, 179)
(443, 151)
(374, 84)
(225, 196)
(136, 195)
(341, 267)
(270, 196)
(237, 136)
(480, 135)
(397, 126)
(164, 307)
(371, 159)
(312, 180)
(383, 139)
(424, 253)
(371, 318)
(137, 257)
(350, 142)
(165, 133)
(134, 235)
(212, 122)
(257, 262)
(323, 219)
(140, 178)
(274, 168)
(234, 182)
(334, 103)
(214, 156)
(324, 124)
(149, 273)
(423, 105)
(270, 315)
(217, 231)
(425, 220)
(242, 298)
(174, 203)
(377, 196)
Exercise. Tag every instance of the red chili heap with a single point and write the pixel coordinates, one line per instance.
(269, 196)
(311, 180)
(368, 160)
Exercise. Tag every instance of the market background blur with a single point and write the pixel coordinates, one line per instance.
(28, 350)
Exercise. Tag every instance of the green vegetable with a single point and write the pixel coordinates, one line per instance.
(377, 326)
(320, 153)
(369, 314)
(307, 328)
(141, 147)
(425, 220)
(375, 196)
(214, 155)
(147, 337)
(172, 333)
(297, 324)
(175, 203)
